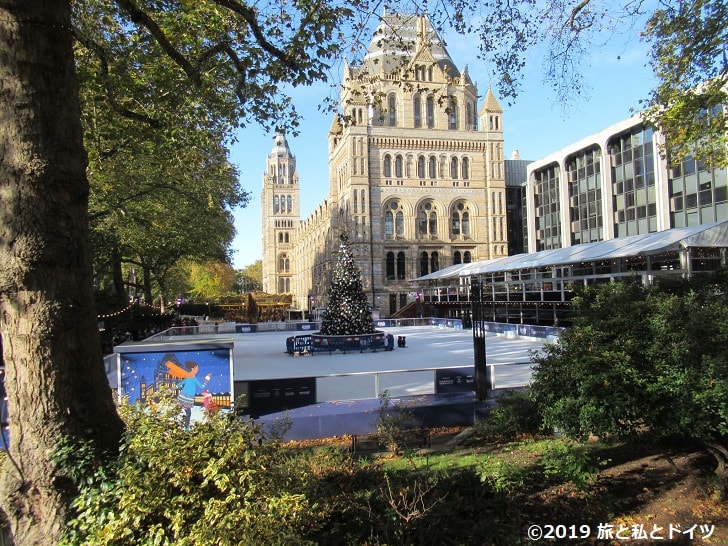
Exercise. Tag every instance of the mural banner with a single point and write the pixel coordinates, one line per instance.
(198, 374)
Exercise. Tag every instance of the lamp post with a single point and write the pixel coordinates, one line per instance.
(481, 366)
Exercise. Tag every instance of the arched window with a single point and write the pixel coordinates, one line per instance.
(427, 220)
(455, 223)
(399, 224)
(284, 263)
(422, 222)
(424, 264)
(430, 106)
(275, 203)
(469, 116)
(460, 220)
(421, 166)
(456, 258)
(466, 257)
(465, 169)
(454, 168)
(363, 201)
(290, 203)
(281, 286)
(453, 115)
(390, 266)
(280, 237)
(388, 166)
(388, 224)
(393, 220)
(400, 266)
(434, 262)
(417, 107)
(398, 166)
(285, 238)
(432, 167)
(392, 107)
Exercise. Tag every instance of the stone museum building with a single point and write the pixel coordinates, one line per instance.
(416, 176)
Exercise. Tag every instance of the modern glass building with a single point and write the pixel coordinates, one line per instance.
(536, 288)
(615, 183)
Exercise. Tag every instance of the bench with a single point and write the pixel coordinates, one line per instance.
(418, 437)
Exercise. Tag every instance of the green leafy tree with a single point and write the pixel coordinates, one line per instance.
(211, 280)
(250, 278)
(152, 206)
(642, 364)
(243, 57)
(348, 310)
(689, 59)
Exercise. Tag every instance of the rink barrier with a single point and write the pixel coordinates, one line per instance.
(316, 343)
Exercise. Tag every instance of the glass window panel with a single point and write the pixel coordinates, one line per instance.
(399, 223)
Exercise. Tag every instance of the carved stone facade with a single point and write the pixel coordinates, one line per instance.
(416, 174)
(281, 218)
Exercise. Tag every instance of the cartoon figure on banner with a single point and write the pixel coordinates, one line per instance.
(209, 403)
(189, 386)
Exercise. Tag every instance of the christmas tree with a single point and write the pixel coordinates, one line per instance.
(348, 311)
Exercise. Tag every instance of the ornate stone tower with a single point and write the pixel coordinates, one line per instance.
(417, 175)
(281, 217)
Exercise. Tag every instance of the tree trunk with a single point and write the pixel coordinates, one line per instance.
(720, 452)
(121, 294)
(148, 297)
(55, 378)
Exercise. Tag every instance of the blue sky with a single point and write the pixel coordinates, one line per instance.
(617, 77)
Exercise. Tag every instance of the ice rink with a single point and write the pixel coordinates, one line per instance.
(262, 356)
(348, 385)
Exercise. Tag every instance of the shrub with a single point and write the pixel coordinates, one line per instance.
(222, 482)
(571, 462)
(393, 422)
(514, 414)
(501, 476)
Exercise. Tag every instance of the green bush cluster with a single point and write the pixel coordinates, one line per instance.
(393, 422)
(222, 482)
(514, 415)
(571, 461)
(227, 481)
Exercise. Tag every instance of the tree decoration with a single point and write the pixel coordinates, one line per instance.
(348, 311)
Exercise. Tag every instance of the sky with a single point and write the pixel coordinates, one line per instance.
(617, 76)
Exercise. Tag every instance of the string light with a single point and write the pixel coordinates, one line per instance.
(127, 308)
